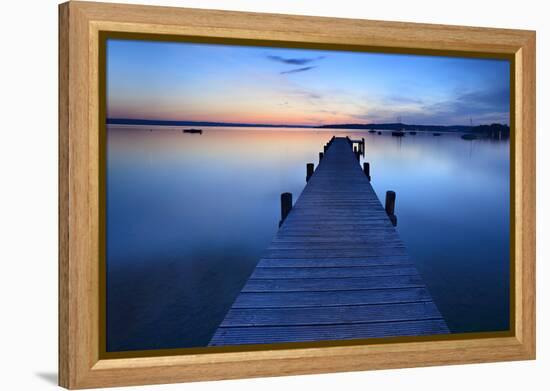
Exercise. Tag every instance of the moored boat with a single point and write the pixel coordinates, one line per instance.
(197, 131)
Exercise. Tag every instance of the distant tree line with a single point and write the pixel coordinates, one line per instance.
(492, 130)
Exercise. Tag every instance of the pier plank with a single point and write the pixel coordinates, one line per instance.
(328, 298)
(332, 284)
(345, 314)
(331, 272)
(281, 334)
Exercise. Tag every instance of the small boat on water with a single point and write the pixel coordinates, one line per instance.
(437, 134)
(372, 131)
(468, 136)
(379, 132)
(401, 132)
(197, 131)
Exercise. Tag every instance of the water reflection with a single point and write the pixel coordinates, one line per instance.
(188, 216)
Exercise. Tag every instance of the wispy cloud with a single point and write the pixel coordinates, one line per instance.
(483, 106)
(304, 69)
(295, 61)
(400, 99)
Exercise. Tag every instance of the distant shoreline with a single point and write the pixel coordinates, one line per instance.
(152, 122)
(505, 129)
(384, 126)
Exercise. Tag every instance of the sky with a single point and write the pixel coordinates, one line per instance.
(247, 84)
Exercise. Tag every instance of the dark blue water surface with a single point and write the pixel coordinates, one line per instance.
(188, 217)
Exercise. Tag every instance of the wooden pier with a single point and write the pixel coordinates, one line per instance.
(335, 270)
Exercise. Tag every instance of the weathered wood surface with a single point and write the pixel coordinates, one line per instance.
(336, 269)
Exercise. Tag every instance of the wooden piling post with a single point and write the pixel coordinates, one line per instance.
(390, 202)
(325, 148)
(320, 156)
(363, 146)
(309, 171)
(366, 170)
(355, 149)
(286, 206)
(390, 206)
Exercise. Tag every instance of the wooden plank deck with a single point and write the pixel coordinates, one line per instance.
(336, 269)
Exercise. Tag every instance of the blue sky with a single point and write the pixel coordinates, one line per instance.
(204, 82)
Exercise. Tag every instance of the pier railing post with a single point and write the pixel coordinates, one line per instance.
(320, 156)
(366, 170)
(309, 171)
(286, 206)
(390, 206)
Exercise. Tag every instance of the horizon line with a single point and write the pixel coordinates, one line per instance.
(127, 121)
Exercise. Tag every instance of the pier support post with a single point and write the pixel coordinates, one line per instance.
(320, 156)
(357, 154)
(363, 146)
(286, 206)
(325, 148)
(390, 206)
(366, 170)
(309, 171)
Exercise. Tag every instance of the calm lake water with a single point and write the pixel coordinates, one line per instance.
(189, 215)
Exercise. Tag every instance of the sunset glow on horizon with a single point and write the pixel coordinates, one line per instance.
(263, 85)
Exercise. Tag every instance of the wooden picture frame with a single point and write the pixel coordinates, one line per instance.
(80, 26)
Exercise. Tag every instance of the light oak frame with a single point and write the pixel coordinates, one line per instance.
(80, 362)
